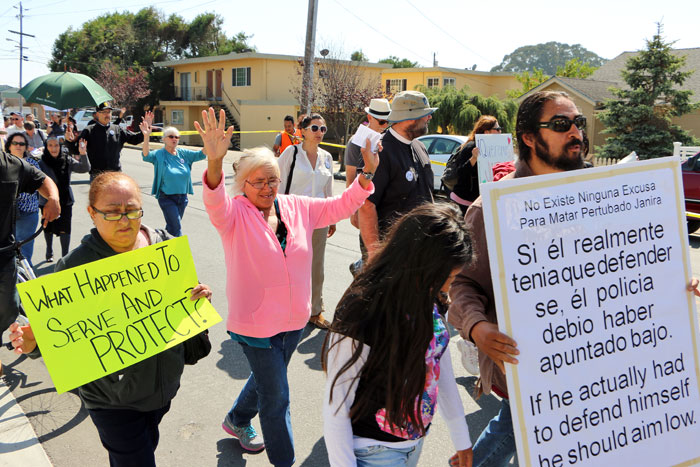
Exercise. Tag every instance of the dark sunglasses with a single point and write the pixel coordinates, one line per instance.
(173, 137)
(315, 128)
(497, 128)
(562, 124)
(383, 122)
(18, 143)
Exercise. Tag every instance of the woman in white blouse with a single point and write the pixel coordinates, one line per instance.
(306, 169)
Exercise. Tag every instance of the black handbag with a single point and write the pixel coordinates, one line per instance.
(197, 347)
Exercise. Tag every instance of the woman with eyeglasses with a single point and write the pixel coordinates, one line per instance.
(172, 175)
(57, 163)
(267, 239)
(307, 170)
(466, 190)
(27, 213)
(128, 405)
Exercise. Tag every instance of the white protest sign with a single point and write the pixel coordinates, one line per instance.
(589, 269)
(493, 149)
(362, 134)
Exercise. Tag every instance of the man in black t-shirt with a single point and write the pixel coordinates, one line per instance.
(404, 178)
(18, 176)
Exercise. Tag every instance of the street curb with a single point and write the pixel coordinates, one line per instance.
(19, 445)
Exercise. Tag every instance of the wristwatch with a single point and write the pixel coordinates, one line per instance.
(368, 175)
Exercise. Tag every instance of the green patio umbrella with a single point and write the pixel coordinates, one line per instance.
(64, 90)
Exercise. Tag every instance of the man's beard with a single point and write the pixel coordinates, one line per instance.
(417, 128)
(564, 161)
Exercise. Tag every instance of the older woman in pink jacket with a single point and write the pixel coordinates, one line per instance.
(267, 249)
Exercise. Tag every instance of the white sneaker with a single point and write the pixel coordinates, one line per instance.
(470, 356)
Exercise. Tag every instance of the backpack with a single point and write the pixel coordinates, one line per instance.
(456, 161)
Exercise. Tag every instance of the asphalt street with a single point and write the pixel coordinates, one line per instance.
(191, 432)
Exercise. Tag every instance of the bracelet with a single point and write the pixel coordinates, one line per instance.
(368, 175)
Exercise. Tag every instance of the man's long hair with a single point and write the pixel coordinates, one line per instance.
(389, 308)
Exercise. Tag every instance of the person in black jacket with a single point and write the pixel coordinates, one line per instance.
(104, 140)
(128, 405)
(466, 189)
(59, 165)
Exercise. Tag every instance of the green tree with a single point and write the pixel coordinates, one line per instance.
(639, 118)
(528, 80)
(399, 62)
(547, 56)
(575, 68)
(359, 56)
(136, 40)
(459, 109)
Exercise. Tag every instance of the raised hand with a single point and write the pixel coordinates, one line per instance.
(148, 118)
(82, 147)
(145, 129)
(370, 158)
(216, 139)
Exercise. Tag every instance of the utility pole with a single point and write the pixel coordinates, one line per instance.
(22, 58)
(307, 84)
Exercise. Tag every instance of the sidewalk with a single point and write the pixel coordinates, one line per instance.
(19, 444)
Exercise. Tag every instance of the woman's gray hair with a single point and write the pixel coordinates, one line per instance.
(171, 130)
(250, 161)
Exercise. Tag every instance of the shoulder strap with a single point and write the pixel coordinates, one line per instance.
(291, 170)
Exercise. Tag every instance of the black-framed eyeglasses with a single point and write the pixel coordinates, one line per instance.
(497, 128)
(315, 128)
(117, 216)
(272, 183)
(563, 124)
(18, 143)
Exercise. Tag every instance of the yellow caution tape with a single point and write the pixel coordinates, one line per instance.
(334, 145)
(693, 215)
(444, 164)
(192, 132)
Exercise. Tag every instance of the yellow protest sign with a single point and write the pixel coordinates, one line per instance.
(101, 317)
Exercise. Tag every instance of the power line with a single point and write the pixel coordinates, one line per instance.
(381, 33)
(444, 31)
(110, 8)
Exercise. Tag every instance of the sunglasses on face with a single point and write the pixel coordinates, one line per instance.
(563, 124)
(173, 137)
(117, 216)
(259, 185)
(315, 128)
(18, 143)
(497, 128)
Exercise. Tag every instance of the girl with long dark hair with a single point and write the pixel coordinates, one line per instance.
(386, 358)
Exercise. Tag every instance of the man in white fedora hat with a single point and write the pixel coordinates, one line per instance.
(404, 179)
(377, 114)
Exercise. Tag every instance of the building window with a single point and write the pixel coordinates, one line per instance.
(433, 82)
(177, 117)
(241, 76)
(196, 77)
(449, 82)
(395, 85)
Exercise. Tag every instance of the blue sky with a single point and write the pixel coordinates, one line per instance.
(461, 33)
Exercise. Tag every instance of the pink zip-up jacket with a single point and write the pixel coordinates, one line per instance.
(268, 290)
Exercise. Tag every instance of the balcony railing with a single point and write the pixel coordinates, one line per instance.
(196, 93)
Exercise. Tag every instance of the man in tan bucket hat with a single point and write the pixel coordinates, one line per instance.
(404, 179)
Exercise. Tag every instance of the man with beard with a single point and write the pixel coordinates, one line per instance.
(404, 179)
(550, 133)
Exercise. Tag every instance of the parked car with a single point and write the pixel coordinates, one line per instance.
(440, 147)
(690, 170)
(126, 122)
(82, 118)
(157, 127)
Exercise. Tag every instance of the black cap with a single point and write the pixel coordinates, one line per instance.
(105, 106)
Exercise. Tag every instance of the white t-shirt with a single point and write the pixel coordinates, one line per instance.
(316, 182)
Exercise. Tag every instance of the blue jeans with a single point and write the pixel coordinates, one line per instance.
(379, 455)
(267, 393)
(173, 207)
(25, 225)
(496, 444)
